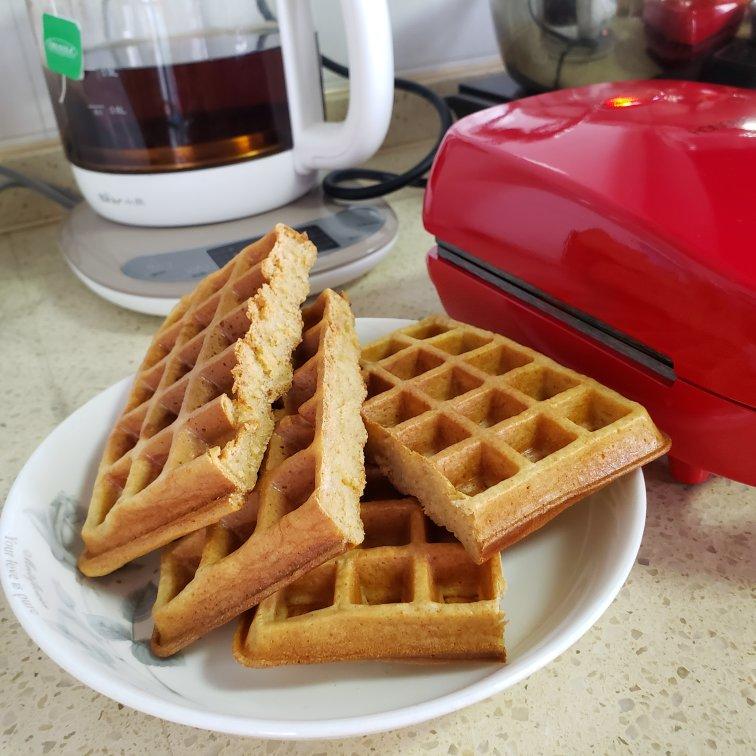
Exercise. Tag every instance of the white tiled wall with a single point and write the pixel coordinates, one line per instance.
(25, 113)
(427, 34)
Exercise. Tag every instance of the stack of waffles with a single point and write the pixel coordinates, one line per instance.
(240, 452)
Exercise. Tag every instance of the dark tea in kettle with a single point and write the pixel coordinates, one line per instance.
(168, 115)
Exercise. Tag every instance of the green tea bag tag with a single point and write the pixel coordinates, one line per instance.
(61, 39)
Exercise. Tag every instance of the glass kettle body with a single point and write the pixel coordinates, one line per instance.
(192, 111)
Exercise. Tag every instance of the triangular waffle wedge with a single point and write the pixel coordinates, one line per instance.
(494, 438)
(410, 591)
(308, 494)
(188, 445)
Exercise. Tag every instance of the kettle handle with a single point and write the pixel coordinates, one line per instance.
(318, 144)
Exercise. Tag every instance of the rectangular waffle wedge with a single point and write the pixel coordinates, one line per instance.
(494, 438)
(410, 591)
(305, 508)
(187, 447)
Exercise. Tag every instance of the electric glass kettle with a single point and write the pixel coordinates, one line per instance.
(176, 112)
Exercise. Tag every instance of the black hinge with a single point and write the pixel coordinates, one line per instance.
(581, 321)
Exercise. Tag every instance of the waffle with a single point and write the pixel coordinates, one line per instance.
(188, 445)
(410, 591)
(305, 508)
(494, 438)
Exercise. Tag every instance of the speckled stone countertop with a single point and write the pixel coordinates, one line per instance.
(667, 669)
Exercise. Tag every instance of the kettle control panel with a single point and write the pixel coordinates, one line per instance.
(340, 231)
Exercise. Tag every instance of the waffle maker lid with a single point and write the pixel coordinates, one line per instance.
(629, 205)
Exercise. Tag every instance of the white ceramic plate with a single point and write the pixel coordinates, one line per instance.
(560, 582)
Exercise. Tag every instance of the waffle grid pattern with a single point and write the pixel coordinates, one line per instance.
(180, 408)
(172, 396)
(484, 413)
(212, 576)
(409, 591)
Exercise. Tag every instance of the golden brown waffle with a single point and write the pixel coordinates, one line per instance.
(410, 591)
(188, 445)
(308, 494)
(494, 438)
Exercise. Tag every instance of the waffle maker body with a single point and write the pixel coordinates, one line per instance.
(612, 227)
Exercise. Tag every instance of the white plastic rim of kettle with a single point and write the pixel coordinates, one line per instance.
(215, 194)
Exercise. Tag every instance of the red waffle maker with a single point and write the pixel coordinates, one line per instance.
(613, 227)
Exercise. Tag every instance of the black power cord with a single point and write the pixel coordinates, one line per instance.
(383, 182)
(65, 197)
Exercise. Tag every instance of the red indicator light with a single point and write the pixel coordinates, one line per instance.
(621, 102)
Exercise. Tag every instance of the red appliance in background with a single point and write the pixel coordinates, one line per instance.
(680, 30)
(613, 227)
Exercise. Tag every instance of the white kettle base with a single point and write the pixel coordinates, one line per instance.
(148, 269)
(328, 279)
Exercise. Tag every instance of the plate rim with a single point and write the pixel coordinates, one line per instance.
(340, 727)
